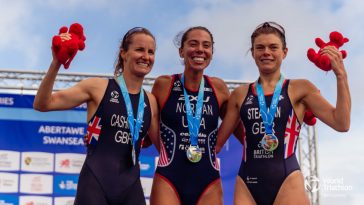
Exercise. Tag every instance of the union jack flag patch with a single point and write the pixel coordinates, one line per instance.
(93, 131)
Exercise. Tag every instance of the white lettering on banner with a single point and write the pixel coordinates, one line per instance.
(63, 140)
(6, 101)
(46, 129)
(67, 185)
(144, 167)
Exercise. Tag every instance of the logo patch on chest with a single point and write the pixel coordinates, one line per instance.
(114, 96)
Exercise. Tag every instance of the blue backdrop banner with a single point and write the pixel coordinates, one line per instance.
(41, 155)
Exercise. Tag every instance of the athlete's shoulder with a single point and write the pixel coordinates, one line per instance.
(161, 83)
(95, 80)
(299, 88)
(152, 100)
(243, 88)
(93, 83)
(301, 84)
(215, 79)
(218, 83)
(220, 88)
(239, 93)
(298, 81)
(161, 88)
(164, 79)
(150, 95)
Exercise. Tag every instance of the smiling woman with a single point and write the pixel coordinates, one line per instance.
(112, 148)
(190, 105)
(269, 171)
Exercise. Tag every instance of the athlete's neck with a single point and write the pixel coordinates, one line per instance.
(192, 79)
(269, 81)
(133, 83)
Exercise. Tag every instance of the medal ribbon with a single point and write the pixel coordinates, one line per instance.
(268, 116)
(194, 120)
(134, 127)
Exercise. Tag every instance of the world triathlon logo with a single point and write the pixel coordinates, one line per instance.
(312, 184)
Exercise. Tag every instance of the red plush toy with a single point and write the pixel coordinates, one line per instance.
(309, 118)
(65, 51)
(322, 61)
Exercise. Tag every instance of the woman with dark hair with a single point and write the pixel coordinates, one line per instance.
(272, 110)
(120, 113)
(190, 105)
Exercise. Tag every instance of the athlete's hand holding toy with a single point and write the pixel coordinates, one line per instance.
(322, 61)
(67, 43)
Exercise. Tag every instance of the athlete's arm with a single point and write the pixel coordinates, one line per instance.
(231, 118)
(160, 92)
(65, 99)
(336, 117)
(223, 95)
(161, 89)
(342, 112)
(153, 132)
(239, 131)
(61, 100)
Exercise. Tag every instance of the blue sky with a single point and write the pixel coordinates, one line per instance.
(27, 28)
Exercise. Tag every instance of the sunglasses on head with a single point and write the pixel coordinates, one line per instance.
(131, 32)
(134, 30)
(273, 25)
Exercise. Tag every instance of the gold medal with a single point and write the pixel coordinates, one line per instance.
(269, 142)
(194, 154)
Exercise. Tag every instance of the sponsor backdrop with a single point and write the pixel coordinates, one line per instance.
(41, 155)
